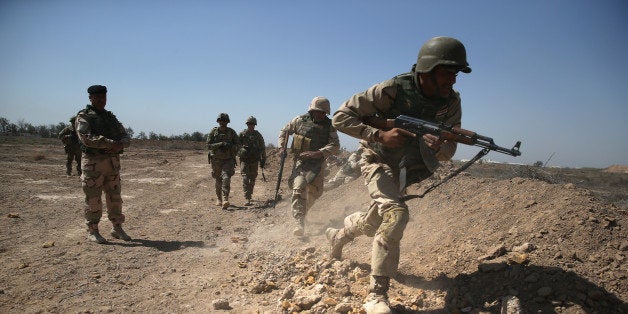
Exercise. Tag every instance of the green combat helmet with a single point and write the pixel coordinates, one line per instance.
(442, 51)
(320, 104)
(223, 117)
(251, 120)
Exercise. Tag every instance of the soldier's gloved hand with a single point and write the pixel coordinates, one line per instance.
(262, 163)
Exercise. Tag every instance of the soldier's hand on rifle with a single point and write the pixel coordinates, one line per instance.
(316, 154)
(432, 141)
(394, 137)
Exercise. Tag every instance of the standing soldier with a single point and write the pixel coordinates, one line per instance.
(314, 139)
(394, 158)
(102, 139)
(223, 143)
(72, 147)
(251, 153)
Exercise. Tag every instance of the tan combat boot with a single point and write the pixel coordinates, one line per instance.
(118, 233)
(299, 230)
(226, 203)
(248, 202)
(337, 239)
(376, 301)
(93, 234)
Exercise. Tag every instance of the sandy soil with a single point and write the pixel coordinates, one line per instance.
(549, 240)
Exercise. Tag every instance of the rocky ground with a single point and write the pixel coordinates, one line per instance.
(526, 238)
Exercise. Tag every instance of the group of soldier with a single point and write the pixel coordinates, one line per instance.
(388, 153)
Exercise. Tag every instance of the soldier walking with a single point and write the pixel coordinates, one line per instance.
(427, 93)
(252, 154)
(72, 147)
(222, 143)
(103, 139)
(314, 138)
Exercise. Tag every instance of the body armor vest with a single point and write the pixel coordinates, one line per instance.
(229, 136)
(250, 141)
(318, 133)
(102, 123)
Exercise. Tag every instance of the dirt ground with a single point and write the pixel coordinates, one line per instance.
(535, 240)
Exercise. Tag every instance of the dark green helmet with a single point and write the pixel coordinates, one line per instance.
(251, 120)
(442, 51)
(223, 117)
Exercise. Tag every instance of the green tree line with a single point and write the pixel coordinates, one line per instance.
(23, 128)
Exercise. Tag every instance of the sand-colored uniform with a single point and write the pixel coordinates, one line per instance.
(72, 148)
(98, 131)
(308, 176)
(223, 145)
(252, 153)
(387, 215)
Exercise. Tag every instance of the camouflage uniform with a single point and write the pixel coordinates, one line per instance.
(388, 171)
(72, 147)
(98, 131)
(223, 145)
(348, 171)
(252, 154)
(307, 178)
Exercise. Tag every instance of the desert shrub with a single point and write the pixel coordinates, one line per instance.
(39, 156)
(537, 173)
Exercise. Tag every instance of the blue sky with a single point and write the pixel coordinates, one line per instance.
(548, 73)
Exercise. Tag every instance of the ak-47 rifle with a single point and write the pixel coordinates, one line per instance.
(445, 132)
(455, 134)
(281, 164)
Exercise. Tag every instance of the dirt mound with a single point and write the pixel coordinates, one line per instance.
(494, 236)
(617, 169)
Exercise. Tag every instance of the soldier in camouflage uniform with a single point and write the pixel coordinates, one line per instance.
(72, 147)
(252, 153)
(394, 158)
(103, 139)
(314, 138)
(349, 171)
(223, 143)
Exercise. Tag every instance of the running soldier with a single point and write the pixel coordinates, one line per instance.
(393, 158)
(103, 139)
(72, 147)
(252, 154)
(314, 138)
(222, 143)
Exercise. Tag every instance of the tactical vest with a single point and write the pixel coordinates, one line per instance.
(250, 141)
(409, 101)
(229, 136)
(318, 133)
(102, 123)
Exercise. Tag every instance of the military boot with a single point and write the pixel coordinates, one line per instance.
(118, 233)
(93, 234)
(299, 230)
(376, 301)
(68, 170)
(337, 239)
(226, 203)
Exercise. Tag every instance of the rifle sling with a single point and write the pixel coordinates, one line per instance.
(479, 155)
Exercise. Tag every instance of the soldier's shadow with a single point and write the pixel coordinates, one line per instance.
(539, 290)
(162, 245)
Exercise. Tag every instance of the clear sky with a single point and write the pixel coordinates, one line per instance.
(548, 73)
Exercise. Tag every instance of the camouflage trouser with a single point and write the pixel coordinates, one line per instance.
(73, 155)
(385, 219)
(101, 173)
(248, 169)
(305, 194)
(222, 170)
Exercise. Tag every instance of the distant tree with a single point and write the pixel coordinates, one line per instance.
(130, 131)
(141, 135)
(43, 131)
(4, 125)
(538, 164)
(198, 136)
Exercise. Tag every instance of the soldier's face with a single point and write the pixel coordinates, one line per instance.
(251, 126)
(99, 101)
(439, 82)
(318, 115)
